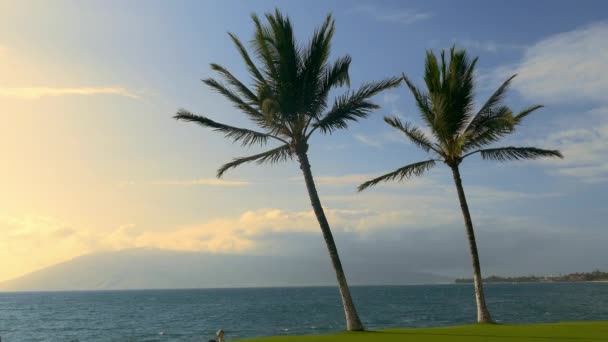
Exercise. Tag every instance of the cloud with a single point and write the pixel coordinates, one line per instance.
(569, 66)
(54, 241)
(369, 140)
(585, 150)
(424, 204)
(392, 136)
(567, 69)
(591, 174)
(352, 180)
(398, 16)
(28, 243)
(191, 182)
(488, 45)
(390, 98)
(202, 181)
(344, 180)
(429, 189)
(35, 93)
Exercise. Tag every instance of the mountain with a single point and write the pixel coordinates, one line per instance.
(160, 269)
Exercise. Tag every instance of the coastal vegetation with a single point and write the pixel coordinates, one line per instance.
(289, 102)
(596, 275)
(456, 131)
(587, 331)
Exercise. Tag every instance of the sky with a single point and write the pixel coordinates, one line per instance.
(92, 161)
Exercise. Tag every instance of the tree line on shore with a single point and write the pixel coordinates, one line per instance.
(288, 100)
(596, 275)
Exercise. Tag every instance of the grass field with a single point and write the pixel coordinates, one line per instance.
(583, 331)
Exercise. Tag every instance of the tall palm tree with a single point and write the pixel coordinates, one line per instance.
(288, 103)
(446, 107)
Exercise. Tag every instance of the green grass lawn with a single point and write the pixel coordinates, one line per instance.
(583, 331)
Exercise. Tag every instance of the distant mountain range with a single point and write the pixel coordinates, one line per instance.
(160, 269)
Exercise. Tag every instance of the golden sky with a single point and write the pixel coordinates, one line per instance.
(91, 159)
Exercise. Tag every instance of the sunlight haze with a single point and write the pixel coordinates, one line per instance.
(92, 160)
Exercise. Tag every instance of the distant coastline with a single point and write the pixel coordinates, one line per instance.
(595, 276)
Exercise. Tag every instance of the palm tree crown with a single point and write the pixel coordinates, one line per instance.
(447, 109)
(289, 97)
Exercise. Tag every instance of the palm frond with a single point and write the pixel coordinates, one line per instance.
(432, 72)
(422, 102)
(314, 66)
(353, 106)
(493, 126)
(490, 105)
(447, 102)
(245, 136)
(254, 114)
(336, 75)
(400, 174)
(524, 113)
(262, 45)
(489, 128)
(276, 155)
(413, 133)
(457, 91)
(516, 153)
(253, 69)
(242, 89)
(287, 52)
(332, 76)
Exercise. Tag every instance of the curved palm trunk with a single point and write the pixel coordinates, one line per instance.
(353, 323)
(483, 315)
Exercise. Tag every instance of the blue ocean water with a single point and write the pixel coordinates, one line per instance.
(195, 315)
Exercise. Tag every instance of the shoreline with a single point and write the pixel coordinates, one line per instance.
(536, 282)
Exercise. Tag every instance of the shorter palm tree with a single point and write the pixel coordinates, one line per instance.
(446, 106)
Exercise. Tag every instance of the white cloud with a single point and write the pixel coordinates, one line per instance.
(54, 241)
(345, 180)
(368, 140)
(591, 174)
(399, 16)
(585, 151)
(28, 243)
(202, 181)
(356, 179)
(482, 195)
(391, 136)
(488, 45)
(190, 182)
(424, 203)
(35, 93)
(390, 97)
(428, 189)
(569, 66)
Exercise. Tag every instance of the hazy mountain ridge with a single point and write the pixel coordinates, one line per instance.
(159, 269)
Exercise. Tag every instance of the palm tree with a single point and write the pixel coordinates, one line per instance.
(446, 107)
(288, 103)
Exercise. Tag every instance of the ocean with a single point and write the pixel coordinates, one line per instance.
(195, 315)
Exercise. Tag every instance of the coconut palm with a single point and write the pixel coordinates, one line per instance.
(456, 132)
(288, 102)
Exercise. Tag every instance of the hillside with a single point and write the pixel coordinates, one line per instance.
(157, 269)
